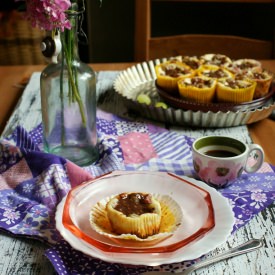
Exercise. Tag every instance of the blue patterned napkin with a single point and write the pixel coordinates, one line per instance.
(32, 183)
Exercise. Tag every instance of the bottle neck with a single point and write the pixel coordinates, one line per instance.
(69, 40)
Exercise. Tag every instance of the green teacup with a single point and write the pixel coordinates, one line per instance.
(218, 160)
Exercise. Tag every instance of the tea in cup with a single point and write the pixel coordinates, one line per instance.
(218, 160)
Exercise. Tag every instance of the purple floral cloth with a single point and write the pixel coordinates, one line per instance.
(32, 183)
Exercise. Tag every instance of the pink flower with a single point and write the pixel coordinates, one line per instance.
(216, 172)
(48, 14)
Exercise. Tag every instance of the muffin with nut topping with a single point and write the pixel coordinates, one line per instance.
(245, 65)
(170, 72)
(199, 89)
(262, 78)
(216, 59)
(192, 61)
(214, 71)
(234, 90)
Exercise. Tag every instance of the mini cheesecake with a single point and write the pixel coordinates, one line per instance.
(263, 79)
(170, 72)
(192, 61)
(213, 71)
(134, 213)
(199, 89)
(216, 59)
(136, 217)
(234, 90)
(244, 65)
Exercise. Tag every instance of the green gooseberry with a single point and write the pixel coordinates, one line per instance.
(143, 98)
(161, 105)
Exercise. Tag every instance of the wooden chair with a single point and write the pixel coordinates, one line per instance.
(148, 47)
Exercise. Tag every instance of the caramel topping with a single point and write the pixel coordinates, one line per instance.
(216, 59)
(246, 65)
(219, 73)
(219, 59)
(174, 71)
(192, 62)
(240, 76)
(236, 84)
(134, 203)
(259, 75)
(253, 76)
(199, 82)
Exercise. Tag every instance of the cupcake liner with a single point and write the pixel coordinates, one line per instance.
(263, 79)
(262, 87)
(169, 82)
(235, 95)
(196, 94)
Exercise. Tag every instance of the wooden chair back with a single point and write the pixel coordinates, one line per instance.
(148, 47)
(196, 44)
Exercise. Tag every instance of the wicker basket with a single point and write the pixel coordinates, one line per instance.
(19, 41)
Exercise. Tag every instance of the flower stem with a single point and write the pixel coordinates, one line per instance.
(73, 83)
(62, 100)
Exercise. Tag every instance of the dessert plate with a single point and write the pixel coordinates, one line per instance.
(224, 221)
(192, 201)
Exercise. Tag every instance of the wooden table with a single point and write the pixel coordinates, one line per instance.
(24, 256)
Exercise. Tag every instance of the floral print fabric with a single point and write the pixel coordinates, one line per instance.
(32, 183)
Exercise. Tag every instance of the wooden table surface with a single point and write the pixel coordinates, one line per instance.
(25, 256)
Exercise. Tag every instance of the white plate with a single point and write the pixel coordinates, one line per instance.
(224, 221)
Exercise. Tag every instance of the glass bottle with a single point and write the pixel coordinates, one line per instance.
(68, 101)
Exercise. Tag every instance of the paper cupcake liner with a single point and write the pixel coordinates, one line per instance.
(226, 94)
(202, 95)
(170, 83)
(262, 87)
